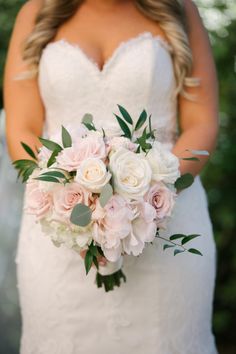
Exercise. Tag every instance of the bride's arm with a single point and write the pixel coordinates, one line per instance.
(198, 120)
(22, 103)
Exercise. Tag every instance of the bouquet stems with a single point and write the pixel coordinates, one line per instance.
(110, 281)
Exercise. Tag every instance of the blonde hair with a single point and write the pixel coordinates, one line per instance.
(169, 14)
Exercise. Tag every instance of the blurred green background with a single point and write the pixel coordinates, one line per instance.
(218, 178)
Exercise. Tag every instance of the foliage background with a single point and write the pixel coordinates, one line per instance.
(219, 179)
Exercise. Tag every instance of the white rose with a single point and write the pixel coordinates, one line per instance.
(131, 173)
(92, 174)
(164, 164)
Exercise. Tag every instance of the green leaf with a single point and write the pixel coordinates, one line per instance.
(23, 162)
(177, 251)
(142, 140)
(50, 145)
(100, 251)
(141, 120)
(88, 260)
(105, 195)
(124, 127)
(167, 246)
(66, 138)
(26, 173)
(95, 262)
(125, 114)
(47, 179)
(177, 236)
(151, 131)
(52, 158)
(54, 174)
(81, 215)
(190, 158)
(93, 249)
(193, 250)
(89, 126)
(184, 181)
(87, 118)
(188, 238)
(28, 150)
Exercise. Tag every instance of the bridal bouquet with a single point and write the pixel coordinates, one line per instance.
(105, 195)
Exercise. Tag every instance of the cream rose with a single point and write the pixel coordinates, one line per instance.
(92, 174)
(164, 164)
(131, 173)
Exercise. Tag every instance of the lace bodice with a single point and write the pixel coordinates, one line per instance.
(139, 75)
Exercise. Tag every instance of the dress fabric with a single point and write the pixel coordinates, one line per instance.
(165, 307)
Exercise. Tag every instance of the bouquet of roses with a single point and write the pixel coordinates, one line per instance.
(105, 195)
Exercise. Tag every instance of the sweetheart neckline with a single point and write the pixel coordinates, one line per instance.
(119, 49)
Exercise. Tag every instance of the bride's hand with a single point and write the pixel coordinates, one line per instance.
(101, 260)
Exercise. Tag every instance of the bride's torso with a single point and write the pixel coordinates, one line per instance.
(138, 75)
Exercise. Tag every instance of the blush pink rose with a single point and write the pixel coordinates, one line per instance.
(162, 199)
(111, 224)
(65, 197)
(91, 145)
(70, 158)
(114, 143)
(39, 202)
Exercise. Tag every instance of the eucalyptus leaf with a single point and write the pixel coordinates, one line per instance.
(66, 138)
(141, 120)
(188, 238)
(28, 150)
(125, 114)
(50, 145)
(184, 181)
(194, 251)
(87, 118)
(106, 194)
(81, 215)
(124, 127)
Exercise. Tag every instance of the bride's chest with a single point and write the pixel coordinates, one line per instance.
(141, 66)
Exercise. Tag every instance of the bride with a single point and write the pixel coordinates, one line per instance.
(67, 58)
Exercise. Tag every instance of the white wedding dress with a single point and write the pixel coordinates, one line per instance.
(165, 307)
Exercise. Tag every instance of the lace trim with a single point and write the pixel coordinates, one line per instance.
(121, 47)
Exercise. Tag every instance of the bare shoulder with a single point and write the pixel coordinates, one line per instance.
(27, 14)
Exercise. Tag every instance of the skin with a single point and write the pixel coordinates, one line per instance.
(24, 108)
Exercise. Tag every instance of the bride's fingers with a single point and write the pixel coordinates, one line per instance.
(101, 260)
